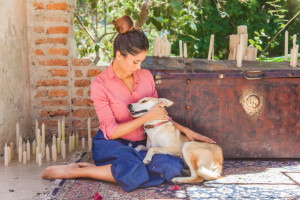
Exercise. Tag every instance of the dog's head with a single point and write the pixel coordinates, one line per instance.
(145, 104)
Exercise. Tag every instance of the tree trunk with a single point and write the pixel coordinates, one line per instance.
(97, 58)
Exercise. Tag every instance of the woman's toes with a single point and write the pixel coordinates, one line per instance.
(58, 172)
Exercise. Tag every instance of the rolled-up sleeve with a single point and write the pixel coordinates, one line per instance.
(107, 120)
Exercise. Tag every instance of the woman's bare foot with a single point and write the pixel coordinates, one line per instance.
(85, 164)
(59, 171)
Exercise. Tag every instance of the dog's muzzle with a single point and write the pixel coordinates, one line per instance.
(129, 106)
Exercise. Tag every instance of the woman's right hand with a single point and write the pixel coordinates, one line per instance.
(157, 112)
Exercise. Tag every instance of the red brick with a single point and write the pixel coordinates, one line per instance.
(87, 102)
(76, 102)
(58, 30)
(76, 123)
(38, 5)
(83, 133)
(51, 41)
(82, 83)
(55, 62)
(92, 113)
(81, 62)
(57, 6)
(78, 73)
(38, 29)
(54, 103)
(41, 93)
(58, 112)
(44, 113)
(81, 113)
(63, 52)
(93, 133)
(95, 123)
(39, 52)
(52, 83)
(59, 72)
(84, 113)
(79, 92)
(58, 93)
(93, 72)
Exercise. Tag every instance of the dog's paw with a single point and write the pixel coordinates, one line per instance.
(140, 147)
(146, 161)
(176, 180)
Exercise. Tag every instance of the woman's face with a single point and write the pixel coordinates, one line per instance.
(131, 63)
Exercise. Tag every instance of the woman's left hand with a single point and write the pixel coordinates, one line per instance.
(192, 135)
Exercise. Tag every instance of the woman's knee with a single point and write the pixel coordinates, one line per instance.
(128, 168)
(103, 149)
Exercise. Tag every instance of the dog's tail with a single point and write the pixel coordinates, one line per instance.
(207, 174)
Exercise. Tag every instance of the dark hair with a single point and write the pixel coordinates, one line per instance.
(129, 40)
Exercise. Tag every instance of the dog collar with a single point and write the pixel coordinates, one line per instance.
(155, 125)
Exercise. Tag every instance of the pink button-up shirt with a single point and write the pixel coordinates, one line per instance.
(111, 97)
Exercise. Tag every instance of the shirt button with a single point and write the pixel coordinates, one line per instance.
(161, 175)
(153, 167)
(129, 144)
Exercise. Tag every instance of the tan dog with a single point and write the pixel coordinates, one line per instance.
(203, 159)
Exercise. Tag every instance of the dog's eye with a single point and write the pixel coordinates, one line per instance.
(145, 101)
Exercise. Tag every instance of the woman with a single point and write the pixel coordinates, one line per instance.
(122, 83)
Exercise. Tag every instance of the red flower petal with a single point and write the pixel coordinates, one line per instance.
(175, 187)
(97, 196)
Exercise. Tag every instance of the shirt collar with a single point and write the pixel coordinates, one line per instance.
(135, 76)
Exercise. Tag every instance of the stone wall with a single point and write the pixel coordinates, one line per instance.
(14, 71)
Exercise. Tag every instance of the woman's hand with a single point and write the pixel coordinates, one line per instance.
(157, 112)
(192, 135)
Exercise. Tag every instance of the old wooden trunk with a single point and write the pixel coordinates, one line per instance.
(251, 112)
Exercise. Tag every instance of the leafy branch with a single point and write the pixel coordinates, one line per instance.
(278, 33)
(83, 27)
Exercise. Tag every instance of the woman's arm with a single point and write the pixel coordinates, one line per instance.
(156, 113)
(192, 135)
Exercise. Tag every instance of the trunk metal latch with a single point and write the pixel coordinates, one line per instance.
(253, 75)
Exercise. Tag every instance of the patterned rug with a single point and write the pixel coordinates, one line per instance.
(242, 179)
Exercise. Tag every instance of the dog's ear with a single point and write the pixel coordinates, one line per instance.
(166, 102)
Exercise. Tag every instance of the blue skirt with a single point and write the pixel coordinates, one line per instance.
(128, 168)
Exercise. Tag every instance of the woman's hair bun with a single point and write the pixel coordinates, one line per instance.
(123, 24)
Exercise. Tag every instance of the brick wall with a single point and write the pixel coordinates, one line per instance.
(60, 83)
(83, 72)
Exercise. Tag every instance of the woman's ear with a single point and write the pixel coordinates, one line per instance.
(166, 102)
(118, 55)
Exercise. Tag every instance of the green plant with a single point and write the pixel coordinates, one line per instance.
(257, 40)
(191, 21)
